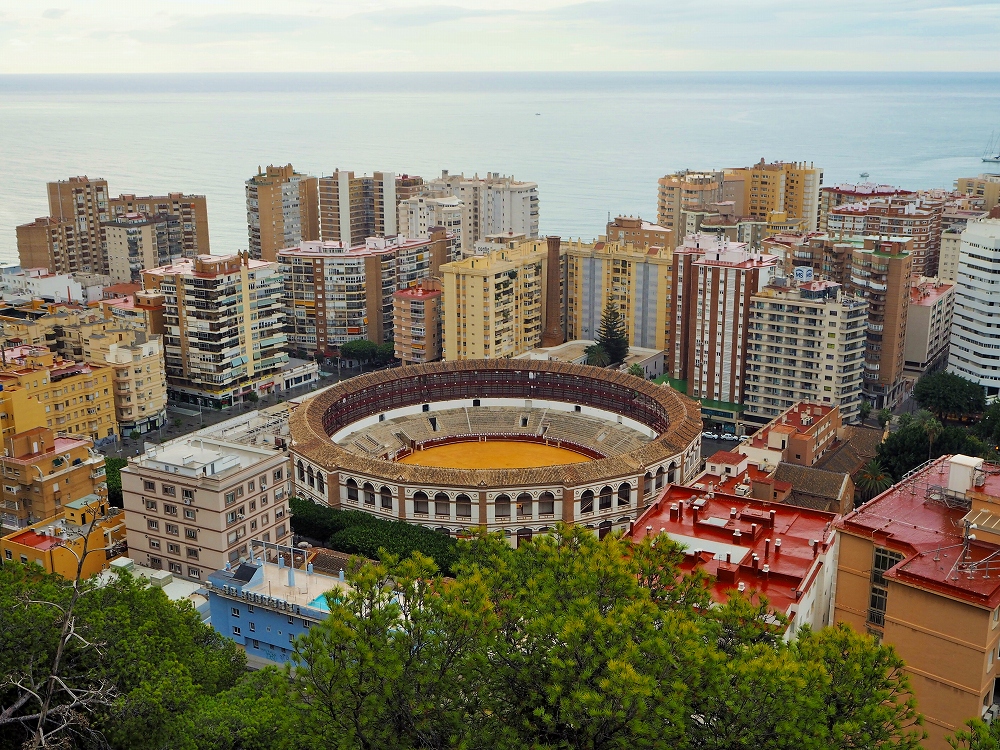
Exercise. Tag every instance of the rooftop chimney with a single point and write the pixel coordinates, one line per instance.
(552, 333)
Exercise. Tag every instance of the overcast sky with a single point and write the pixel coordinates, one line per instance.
(96, 36)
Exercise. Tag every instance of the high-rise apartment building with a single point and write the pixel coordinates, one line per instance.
(928, 325)
(43, 472)
(789, 187)
(223, 326)
(846, 193)
(806, 343)
(140, 381)
(918, 218)
(951, 251)
(282, 210)
(190, 211)
(133, 242)
(352, 209)
(408, 186)
(975, 330)
(193, 504)
(496, 204)
(642, 234)
(711, 289)
(682, 192)
(880, 273)
(494, 304)
(85, 202)
(416, 322)
(52, 244)
(985, 186)
(417, 216)
(635, 279)
(334, 293)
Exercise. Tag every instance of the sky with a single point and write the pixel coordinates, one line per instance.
(188, 36)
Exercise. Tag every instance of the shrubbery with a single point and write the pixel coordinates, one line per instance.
(358, 533)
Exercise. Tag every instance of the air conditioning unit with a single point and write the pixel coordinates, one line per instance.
(240, 516)
(187, 501)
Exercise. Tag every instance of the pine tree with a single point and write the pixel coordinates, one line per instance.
(611, 335)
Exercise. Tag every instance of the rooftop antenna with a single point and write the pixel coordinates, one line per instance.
(864, 177)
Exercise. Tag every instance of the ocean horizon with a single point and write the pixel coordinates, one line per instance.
(595, 143)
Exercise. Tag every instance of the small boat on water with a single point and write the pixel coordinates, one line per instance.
(992, 152)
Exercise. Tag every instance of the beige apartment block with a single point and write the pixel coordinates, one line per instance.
(416, 322)
(951, 250)
(52, 244)
(880, 273)
(712, 285)
(846, 193)
(282, 210)
(928, 324)
(334, 293)
(133, 242)
(85, 203)
(985, 186)
(789, 187)
(635, 231)
(140, 382)
(419, 215)
(806, 342)
(352, 209)
(494, 304)
(191, 212)
(192, 505)
(683, 192)
(636, 279)
(223, 327)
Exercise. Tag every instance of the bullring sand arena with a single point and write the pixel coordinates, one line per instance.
(493, 454)
(514, 446)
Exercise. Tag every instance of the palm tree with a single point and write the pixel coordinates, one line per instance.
(637, 370)
(872, 480)
(864, 410)
(597, 356)
(933, 429)
(884, 416)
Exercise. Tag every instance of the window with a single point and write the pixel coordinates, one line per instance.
(277, 475)
(188, 514)
(173, 549)
(169, 490)
(369, 491)
(231, 517)
(153, 525)
(352, 490)
(250, 486)
(170, 510)
(154, 543)
(149, 486)
(190, 533)
(192, 553)
(253, 627)
(300, 467)
(442, 504)
(151, 505)
(420, 503)
(174, 567)
(230, 498)
(386, 498)
(173, 529)
(624, 494)
(188, 494)
(255, 642)
(154, 562)
(280, 532)
(8, 554)
(463, 506)
(587, 502)
(546, 504)
(236, 630)
(320, 482)
(501, 506)
(194, 572)
(604, 501)
(524, 502)
(235, 611)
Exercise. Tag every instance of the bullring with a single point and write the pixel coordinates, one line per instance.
(364, 445)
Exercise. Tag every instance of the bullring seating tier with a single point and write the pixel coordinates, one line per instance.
(389, 437)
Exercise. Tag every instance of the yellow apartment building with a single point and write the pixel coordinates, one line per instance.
(791, 187)
(44, 471)
(494, 303)
(682, 192)
(190, 210)
(87, 528)
(635, 278)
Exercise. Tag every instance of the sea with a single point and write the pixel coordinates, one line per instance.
(595, 143)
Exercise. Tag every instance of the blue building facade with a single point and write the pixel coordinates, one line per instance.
(264, 606)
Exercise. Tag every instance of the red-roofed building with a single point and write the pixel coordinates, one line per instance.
(416, 322)
(928, 325)
(785, 553)
(799, 435)
(919, 568)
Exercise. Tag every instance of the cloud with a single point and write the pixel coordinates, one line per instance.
(243, 25)
(54, 14)
(426, 15)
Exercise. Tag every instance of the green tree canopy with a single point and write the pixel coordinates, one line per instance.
(362, 350)
(947, 394)
(872, 480)
(636, 369)
(884, 416)
(910, 445)
(864, 410)
(113, 466)
(611, 334)
(597, 356)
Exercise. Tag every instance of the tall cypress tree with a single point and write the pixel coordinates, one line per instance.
(611, 335)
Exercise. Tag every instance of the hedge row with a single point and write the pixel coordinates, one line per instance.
(356, 533)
